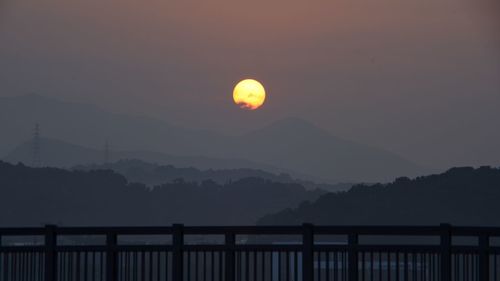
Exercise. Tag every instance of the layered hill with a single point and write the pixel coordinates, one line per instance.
(62, 154)
(153, 174)
(461, 196)
(36, 196)
(290, 144)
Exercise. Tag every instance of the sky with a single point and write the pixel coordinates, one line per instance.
(419, 78)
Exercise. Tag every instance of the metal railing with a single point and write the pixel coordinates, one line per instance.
(260, 253)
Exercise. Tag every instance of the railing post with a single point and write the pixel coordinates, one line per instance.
(177, 253)
(230, 242)
(308, 252)
(352, 248)
(111, 257)
(50, 253)
(445, 252)
(484, 257)
(5, 274)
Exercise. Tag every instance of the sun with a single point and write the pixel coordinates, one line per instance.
(249, 94)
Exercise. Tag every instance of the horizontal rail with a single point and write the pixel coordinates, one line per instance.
(230, 253)
(260, 230)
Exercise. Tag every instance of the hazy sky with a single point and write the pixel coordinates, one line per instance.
(420, 78)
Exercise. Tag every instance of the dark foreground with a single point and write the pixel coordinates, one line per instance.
(259, 253)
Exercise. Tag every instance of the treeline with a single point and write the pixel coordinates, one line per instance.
(35, 196)
(153, 174)
(461, 196)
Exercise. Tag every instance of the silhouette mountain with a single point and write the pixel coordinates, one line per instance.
(290, 144)
(285, 142)
(88, 125)
(35, 196)
(154, 174)
(461, 196)
(61, 154)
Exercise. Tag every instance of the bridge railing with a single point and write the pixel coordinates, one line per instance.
(260, 253)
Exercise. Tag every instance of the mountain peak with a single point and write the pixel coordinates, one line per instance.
(292, 144)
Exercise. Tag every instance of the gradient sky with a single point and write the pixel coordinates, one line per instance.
(420, 78)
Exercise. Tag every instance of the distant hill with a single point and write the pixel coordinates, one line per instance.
(301, 146)
(61, 154)
(290, 144)
(461, 196)
(35, 196)
(89, 126)
(154, 174)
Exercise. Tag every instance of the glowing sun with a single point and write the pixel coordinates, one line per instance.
(249, 94)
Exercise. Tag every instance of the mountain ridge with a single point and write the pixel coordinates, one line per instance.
(460, 196)
(36, 196)
(152, 174)
(61, 154)
(290, 144)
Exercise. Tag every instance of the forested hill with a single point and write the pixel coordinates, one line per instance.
(35, 196)
(153, 174)
(462, 196)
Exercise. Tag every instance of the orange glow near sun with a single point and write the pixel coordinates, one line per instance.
(249, 94)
